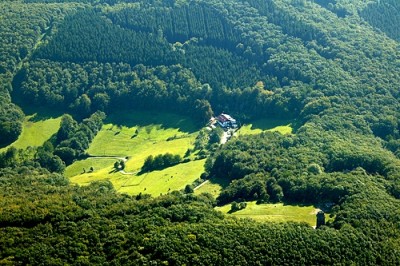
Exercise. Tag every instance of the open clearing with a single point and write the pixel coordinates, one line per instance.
(275, 212)
(137, 135)
(261, 125)
(35, 132)
(213, 186)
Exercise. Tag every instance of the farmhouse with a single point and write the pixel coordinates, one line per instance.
(226, 121)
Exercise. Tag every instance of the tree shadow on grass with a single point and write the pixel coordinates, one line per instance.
(163, 120)
(113, 171)
(271, 123)
(41, 113)
(220, 181)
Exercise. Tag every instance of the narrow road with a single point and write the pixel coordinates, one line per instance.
(202, 184)
(224, 137)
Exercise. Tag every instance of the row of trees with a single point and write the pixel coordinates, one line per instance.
(160, 161)
(73, 139)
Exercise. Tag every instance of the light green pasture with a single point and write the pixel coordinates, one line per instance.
(275, 212)
(35, 132)
(136, 135)
(261, 125)
(212, 186)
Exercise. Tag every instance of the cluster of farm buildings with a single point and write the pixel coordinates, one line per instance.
(225, 121)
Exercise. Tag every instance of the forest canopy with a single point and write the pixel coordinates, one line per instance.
(330, 66)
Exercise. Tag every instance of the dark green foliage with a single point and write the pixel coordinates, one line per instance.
(88, 87)
(188, 189)
(72, 139)
(68, 224)
(385, 16)
(332, 65)
(216, 135)
(87, 36)
(11, 118)
(160, 161)
(237, 206)
(250, 188)
(49, 161)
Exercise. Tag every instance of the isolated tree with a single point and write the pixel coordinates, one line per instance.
(189, 189)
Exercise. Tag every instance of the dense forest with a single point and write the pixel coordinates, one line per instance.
(332, 66)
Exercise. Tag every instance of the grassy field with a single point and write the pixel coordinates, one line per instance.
(35, 131)
(169, 179)
(212, 186)
(275, 212)
(77, 168)
(258, 126)
(137, 135)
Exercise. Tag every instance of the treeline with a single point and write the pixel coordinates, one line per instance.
(86, 88)
(11, 118)
(96, 225)
(68, 144)
(73, 139)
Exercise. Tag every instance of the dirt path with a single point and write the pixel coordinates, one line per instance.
(224, 137)
(202, 184)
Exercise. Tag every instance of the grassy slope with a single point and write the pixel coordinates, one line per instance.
(275, 212)
(172, 178)
(35, 132)
(258, 126)
(137, 135)
(213, 186)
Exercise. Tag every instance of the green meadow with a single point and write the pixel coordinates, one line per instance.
(35, 131)
(134, 136)
(212, 186)
(261, 125)
(161, 182)
(274, 213)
